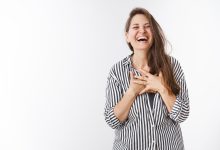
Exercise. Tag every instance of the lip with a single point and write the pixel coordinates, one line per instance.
(142, 39)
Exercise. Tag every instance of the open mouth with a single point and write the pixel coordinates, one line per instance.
(142, 39)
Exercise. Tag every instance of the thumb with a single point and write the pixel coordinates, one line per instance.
(144, 90)
(131, 75)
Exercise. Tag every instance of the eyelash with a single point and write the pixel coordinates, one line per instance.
(138, 27)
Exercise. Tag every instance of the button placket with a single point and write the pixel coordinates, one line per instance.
(153, 136)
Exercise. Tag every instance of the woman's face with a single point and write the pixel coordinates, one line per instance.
(139, 34)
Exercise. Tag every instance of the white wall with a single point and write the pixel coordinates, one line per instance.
(55, 56)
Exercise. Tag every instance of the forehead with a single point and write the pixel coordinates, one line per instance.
(139, 19)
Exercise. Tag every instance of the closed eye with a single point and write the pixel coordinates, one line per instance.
(135, 27)
(147, 26)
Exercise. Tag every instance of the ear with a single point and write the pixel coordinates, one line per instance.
(126, 37)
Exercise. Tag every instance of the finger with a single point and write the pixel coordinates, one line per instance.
(141, 78)
(143, 91)
(160, 74)
(140, 82)
(145, 73)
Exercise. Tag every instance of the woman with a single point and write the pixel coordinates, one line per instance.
(146, 92)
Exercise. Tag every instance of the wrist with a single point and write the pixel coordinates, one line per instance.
(131, 92)
(162, 90)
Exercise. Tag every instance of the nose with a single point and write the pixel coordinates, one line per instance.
(141, 29)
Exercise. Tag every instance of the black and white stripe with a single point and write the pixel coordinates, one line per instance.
(145, 128)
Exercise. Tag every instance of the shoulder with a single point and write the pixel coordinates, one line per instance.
(173, 61)
(176, 67)
(175, 64)
(118, 67)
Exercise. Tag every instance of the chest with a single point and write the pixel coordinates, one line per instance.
(141, 108)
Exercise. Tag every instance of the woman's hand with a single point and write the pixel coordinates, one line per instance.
(152, 83)
(134, 84)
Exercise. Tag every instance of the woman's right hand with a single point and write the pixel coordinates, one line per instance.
(134, 87)
(122, 108)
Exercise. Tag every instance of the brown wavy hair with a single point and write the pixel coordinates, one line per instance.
(157, 58)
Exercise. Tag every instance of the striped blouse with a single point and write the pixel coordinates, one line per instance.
(146, 128)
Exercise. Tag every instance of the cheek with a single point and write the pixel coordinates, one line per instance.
(150, 32)
(132, 35)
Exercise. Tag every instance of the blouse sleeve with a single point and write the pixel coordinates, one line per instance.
(113, 96)
(180, 109)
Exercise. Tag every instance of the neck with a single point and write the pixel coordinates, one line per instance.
(139, 60)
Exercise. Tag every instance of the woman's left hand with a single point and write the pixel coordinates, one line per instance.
(153, 83)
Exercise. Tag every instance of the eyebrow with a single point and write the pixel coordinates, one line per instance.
(138, 24)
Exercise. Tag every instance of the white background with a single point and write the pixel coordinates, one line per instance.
(55, 56)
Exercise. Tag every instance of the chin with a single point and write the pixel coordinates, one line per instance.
(141, 49)
(144, 48)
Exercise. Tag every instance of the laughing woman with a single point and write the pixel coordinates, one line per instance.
(146, 94)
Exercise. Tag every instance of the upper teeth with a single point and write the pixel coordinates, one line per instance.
(142, 38)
